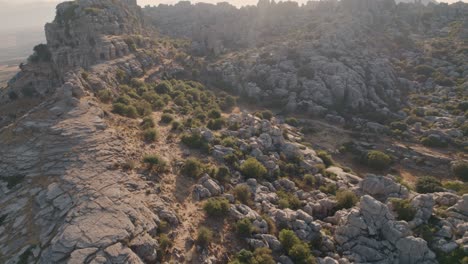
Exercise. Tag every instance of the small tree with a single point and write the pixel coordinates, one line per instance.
(252, 168)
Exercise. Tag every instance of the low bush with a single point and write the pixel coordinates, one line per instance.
(214, 114)
(223, 174)
(155, 163)
(216, 124)
(192, 168)
(176, 125)
(150, 135)
(267, 114)
(326, 158)
(288, 239)
(244, 227)
(166, 118)
(204, 236)
(464, 129)
(428, 184)
(252, 168)
(297, 250)
(194, 140)
(104, 95)
(292, 121)
(301, 254)
(460, 187)
(164, 242)
(346, 199)
(259, 256)
(288, 200)
(460, 169)
(242, 193)
(125, 110)
(433, 142)
(378, 160)
(329, 188)
(403, 208)
(147, 122)
(216, 207)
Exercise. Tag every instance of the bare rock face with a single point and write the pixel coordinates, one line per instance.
(370, 233)
(61, 200)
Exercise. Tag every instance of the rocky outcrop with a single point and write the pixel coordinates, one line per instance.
(87, 31)
(370, 234)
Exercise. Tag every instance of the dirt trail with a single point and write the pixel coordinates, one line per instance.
(178, 189)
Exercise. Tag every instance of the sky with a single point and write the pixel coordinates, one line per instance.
(156, 2)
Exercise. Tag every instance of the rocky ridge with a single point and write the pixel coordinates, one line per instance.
(70, 193)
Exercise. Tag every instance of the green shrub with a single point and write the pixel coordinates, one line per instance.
(288, 200)
(259, 256)
(428, 184)
(301, 254)
(326, 158)
(125, 110)
(216, 124)
(378, 160)
(288, 239)
(228, 103)
(244, 227)
(399, 126)
(267, 114)
(150, 135)
(252, 168)
(229, 142)
(148, 122)
(192, 168)
(223, 174)
(164, 242)
(297, 250)
(176, 125)
(104, 95)
(309, 179)
(329, 188)
(204, 236)
(460, 169)
(403, 208)
(425, 70)
(460, 187)
(346, 199)
(144, 108)
(163, 87)
(194, 140)
(433, 142)
(214, 114)
(464, 129)
(458, 256)
(292, 121)
(216, 207)
(242, 193)
(155, 163)
(166, 118)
